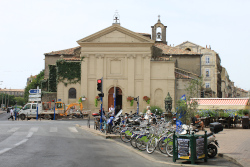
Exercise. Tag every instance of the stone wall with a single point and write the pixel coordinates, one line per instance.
(49, 96)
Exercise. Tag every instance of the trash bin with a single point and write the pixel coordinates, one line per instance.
(190, 147)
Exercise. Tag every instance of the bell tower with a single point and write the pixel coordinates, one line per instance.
(159, 31)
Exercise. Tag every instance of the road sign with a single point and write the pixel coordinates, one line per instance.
(35, 91)
(34, 99)
(35, 95)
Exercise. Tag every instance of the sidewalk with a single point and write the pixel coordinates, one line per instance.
(2, 111)
(234, 144)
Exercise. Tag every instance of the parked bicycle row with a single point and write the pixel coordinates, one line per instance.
(150, 133)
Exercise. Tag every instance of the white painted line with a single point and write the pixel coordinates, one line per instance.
(73, 129)
(30, 134)
(21, 142)
(4, 150)
(53, 129)
(34, 129)
(12, 130)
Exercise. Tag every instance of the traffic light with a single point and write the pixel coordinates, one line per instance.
(101, 94)
(99, 85)
(202, 94)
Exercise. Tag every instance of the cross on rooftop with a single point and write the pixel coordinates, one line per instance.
(116, 18)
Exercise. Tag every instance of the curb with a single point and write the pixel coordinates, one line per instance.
(136, 151)
(229, 159)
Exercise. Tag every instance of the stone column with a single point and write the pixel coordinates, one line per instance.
(131, 75)
(99, 64)
(147, 68)
(84, 76)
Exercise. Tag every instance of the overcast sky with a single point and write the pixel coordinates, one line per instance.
(30, 28)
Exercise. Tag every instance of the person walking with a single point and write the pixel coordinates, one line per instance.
(148, 113)
(112, 110)
(11, 114)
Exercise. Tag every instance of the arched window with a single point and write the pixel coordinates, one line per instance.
(72, 93)
(188, 49)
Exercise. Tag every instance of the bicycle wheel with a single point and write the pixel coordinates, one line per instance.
(162, 145)
(169, 146)
(141, 143)
(126, 136)
(151, 145)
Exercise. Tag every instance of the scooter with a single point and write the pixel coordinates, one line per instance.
(212, 145)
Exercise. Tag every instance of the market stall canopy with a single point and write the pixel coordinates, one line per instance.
(223, 103)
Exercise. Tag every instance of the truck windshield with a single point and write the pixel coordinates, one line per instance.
(59, 105)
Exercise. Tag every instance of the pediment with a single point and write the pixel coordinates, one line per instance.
(115, 34)
(187, 43)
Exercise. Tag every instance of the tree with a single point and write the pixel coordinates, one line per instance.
(33, 85)
(20, 101)
(187, 108)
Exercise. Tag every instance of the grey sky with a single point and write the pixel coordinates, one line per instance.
(30, 28)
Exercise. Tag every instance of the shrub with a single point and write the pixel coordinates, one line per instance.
(153, 110)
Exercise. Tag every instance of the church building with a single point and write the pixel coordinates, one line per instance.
(132, 63)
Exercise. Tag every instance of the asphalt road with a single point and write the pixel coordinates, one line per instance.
(42, 143)
(60, 143)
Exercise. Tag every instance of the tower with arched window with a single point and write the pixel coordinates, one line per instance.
(159, 31)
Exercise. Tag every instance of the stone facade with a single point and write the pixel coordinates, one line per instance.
(52, 57)
(123, 59)
(210, 68)
(14, 92)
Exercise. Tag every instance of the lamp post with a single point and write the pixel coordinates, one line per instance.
(168, 107)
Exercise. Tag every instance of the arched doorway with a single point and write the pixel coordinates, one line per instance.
(118, 98)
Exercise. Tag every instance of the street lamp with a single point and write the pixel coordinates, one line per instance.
(168, 107)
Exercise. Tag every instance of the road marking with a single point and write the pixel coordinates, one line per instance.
(53, 129)
(73, 129)
(21, 142)
(30, 134)
(34, 129)
(4, 150)
(13, 130)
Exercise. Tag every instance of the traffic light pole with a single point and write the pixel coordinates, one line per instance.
(138, 105)
(101, 95)
(101, 114)
(114, 96)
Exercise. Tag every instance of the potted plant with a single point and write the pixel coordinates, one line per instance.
(131, 100)
(146, 99)
(97, 98)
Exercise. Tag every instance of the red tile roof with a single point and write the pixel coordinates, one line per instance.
(69, 51)
(173, 50)
(181, 76)
(72, 59)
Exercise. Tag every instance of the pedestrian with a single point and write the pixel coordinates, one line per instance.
(112, 110)
(148, 113)
(11, 114)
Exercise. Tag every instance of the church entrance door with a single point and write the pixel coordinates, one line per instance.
(118, 99)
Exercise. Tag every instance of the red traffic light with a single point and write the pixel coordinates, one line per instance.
(99, 81)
